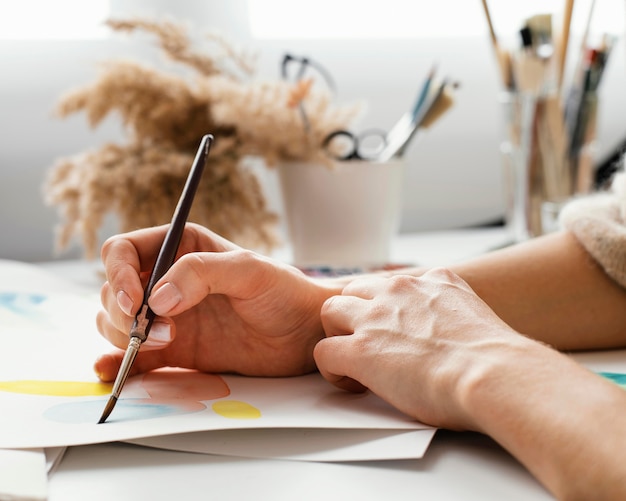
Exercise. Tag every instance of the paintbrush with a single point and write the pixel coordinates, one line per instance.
(563, 42)
(536, 76)
(423, 93)
(143, 321)
(540, 27)
(503, 56)
(529, 69)
(439, 100)
(397, 134)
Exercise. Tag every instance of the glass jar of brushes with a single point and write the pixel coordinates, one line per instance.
(550, 130)
(548, 157)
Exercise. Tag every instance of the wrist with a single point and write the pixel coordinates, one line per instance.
(492, 389)
(552, 414)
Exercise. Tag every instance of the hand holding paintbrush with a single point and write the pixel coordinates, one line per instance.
(143, 321)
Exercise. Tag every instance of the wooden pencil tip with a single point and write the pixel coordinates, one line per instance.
(108, 409)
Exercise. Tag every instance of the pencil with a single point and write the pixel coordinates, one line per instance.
(143, 321)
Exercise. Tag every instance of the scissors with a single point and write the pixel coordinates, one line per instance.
(344, 145)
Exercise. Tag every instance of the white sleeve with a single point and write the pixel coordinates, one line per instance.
(599, 223)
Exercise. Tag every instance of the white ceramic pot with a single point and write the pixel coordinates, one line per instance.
(344, 216)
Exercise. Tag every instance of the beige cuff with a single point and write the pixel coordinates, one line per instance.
(599, 222)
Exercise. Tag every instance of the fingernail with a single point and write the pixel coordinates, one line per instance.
(125, 302)
(165, 298)
(160, 335)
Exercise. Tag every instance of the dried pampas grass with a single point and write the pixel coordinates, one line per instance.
(164, 116)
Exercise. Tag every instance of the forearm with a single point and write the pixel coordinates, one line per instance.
(562, 422)
(551, 289)
(548, 288)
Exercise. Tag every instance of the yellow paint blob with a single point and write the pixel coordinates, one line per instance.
(57, 388)
(235, 409)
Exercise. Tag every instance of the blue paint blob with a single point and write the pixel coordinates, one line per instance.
(89, 411)
(20, 303)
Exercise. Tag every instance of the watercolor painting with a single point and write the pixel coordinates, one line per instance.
(21, 304)
(170, 392)
(51, 398)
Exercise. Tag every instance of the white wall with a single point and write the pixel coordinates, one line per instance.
(454, 170)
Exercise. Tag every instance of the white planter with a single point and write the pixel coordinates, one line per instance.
(345, 216)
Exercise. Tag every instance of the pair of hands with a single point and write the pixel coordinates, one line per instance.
(220, 308)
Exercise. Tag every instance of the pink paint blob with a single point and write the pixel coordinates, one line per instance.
(184, 384)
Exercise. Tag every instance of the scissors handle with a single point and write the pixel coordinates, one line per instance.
(366, 146)
(351, 145)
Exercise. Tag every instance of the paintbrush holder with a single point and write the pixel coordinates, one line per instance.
(582, 128)
(344, 215)
(541, 169)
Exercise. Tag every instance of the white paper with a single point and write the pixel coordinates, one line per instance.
(51, 398)
(23, 475)
(335, 445)
(54, 455)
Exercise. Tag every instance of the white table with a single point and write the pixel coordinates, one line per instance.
(457, 466)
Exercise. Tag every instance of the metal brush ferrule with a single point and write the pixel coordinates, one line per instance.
(127, 362)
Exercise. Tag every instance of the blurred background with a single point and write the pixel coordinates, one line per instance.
(377, 52)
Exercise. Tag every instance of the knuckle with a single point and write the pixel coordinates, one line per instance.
(361, 341)
(194, 264)
(107, 246)
(329, 306)
(104, 293)
(443, 276)
(442, 273)
(101, 320)
(401, 285)
(359, 283)
(245, 256)
(113, 254)
(254, 266)
(192, 234)
(400, 281)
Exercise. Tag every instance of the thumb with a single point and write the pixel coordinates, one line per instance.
(240, 274)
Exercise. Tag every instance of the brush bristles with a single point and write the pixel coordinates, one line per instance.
(108, 409)
(444, 102)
